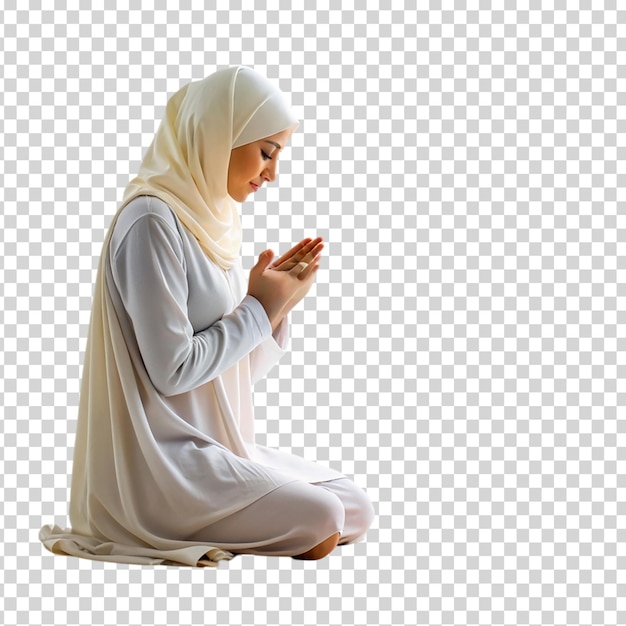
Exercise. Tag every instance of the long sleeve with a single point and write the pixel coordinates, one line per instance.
(149, 271)
(267, 354)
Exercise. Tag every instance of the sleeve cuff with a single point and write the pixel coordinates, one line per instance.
(281, 334)
(259, 314)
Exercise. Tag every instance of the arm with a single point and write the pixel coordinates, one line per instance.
(149, 272)
(267, 354)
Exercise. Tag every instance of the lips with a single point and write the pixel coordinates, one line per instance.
(254, 187)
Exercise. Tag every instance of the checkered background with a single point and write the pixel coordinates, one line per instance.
(462, 353)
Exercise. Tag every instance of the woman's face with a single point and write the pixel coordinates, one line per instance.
(251, 165)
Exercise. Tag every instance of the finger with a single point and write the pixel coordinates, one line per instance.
(299, 268)
(307, 248)
(291, 252)
(313, 253)
(263, 260)
(308, 253)
(308, 270)
(303, 252)
(316, 244)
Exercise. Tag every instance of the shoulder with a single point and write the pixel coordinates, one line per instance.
(144, 206)
(142, 216)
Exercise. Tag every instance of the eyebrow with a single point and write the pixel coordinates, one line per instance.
(274, 144)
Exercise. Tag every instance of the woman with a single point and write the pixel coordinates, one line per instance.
(165, 466)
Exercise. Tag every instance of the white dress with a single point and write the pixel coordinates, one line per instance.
(203, 342)
(190, 472)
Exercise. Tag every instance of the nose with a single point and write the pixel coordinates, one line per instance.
(270, 171)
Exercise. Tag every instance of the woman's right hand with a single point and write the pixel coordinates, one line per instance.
(280, 291)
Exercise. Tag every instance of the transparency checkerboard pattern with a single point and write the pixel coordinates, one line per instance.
(462, 353)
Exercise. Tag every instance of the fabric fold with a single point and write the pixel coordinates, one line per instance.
(59, 541)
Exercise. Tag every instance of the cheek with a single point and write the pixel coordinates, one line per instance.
(245, 165)
(256, 161)
(248, 166)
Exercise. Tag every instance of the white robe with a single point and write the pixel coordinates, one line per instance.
(197, 344)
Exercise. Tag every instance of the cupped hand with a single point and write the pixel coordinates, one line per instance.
(280, 290)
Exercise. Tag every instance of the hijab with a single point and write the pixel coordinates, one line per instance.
(186, 165)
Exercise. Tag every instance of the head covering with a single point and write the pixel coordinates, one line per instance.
(187, 167)
(187, 163)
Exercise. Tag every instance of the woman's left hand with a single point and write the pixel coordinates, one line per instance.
(306, 251)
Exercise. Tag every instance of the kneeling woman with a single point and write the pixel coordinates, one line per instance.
(166, 469)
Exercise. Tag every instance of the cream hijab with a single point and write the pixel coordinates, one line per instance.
(186, 166)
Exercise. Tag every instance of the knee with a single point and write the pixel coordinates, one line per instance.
(359, 524)
(327, 513)
(320, 522)
(360, 515)
(368, 513)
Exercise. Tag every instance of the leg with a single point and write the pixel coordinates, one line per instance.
(297, 519)
(359, 511)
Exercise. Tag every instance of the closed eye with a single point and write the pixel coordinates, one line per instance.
(265, 155)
